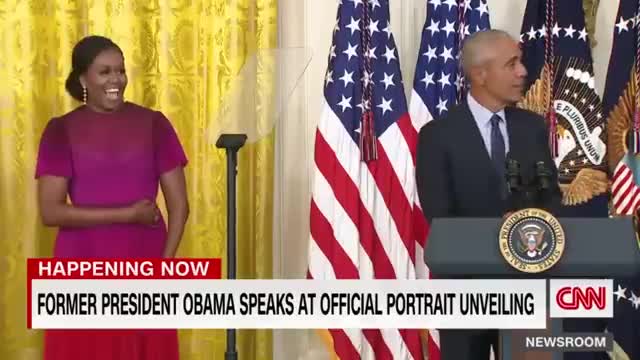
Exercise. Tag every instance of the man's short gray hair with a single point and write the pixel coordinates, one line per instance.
(476, 48)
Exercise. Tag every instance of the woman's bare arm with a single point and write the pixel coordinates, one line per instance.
(173, 186)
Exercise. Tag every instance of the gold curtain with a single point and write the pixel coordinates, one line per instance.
(181, 57)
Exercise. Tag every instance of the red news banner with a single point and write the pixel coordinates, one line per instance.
(85, 271)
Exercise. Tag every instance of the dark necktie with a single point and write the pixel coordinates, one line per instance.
(497, 147)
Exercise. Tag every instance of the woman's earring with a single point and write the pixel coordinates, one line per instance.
(84, 94)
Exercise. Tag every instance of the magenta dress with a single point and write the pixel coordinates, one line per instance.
(111, 160)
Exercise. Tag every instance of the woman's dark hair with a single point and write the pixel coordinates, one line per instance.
(85, 51)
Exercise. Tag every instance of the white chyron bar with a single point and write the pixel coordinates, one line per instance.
(286, 304)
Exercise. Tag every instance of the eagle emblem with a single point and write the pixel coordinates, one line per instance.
(620, 122)
(582, 150)
(531, 240)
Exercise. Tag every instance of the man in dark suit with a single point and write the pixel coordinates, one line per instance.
(461, 156)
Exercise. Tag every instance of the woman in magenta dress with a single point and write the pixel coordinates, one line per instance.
(110, 156)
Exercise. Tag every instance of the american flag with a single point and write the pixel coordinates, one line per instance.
(625, 190)
(621, 106)
(438, 81)
(364, 219)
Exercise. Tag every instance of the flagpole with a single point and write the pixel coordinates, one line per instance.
(232, 143)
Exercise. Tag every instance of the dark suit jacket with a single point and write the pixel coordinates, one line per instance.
(454, 172)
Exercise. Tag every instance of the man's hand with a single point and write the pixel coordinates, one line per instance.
(505, 216)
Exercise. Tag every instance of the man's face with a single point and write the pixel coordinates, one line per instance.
(504, 75)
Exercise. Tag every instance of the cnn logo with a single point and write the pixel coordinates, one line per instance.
(580, 298)
(574, 297)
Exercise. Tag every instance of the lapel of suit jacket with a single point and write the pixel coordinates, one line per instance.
(471, 138)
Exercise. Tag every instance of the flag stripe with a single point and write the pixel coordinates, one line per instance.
(343, 345)
(418, 111)
(421, 230)
(395, 341)
(622, 179)
(619, 169)
(319, 264)
(343, 189)
(628, 201)
(414, 346)
(622, 195)
(628, 209)
(410, 135)
(622, 190)
(360, 343)
(379, 346)
(626, 194)
(348, 343)
(397, 205)
(399, 156)
(624, 199)
(618, 182)
(343, 228)
(323, 235)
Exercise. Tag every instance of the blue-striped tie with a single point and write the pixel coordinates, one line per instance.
(497, 147)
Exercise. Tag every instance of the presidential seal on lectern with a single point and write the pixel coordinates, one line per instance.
(531, 240)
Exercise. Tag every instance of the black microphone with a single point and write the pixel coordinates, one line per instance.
(514, 183)
(512, 175)
(544, 176)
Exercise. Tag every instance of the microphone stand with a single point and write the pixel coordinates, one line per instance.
(543, 177)
(521, 194)
(232, 143)
(514, 184)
